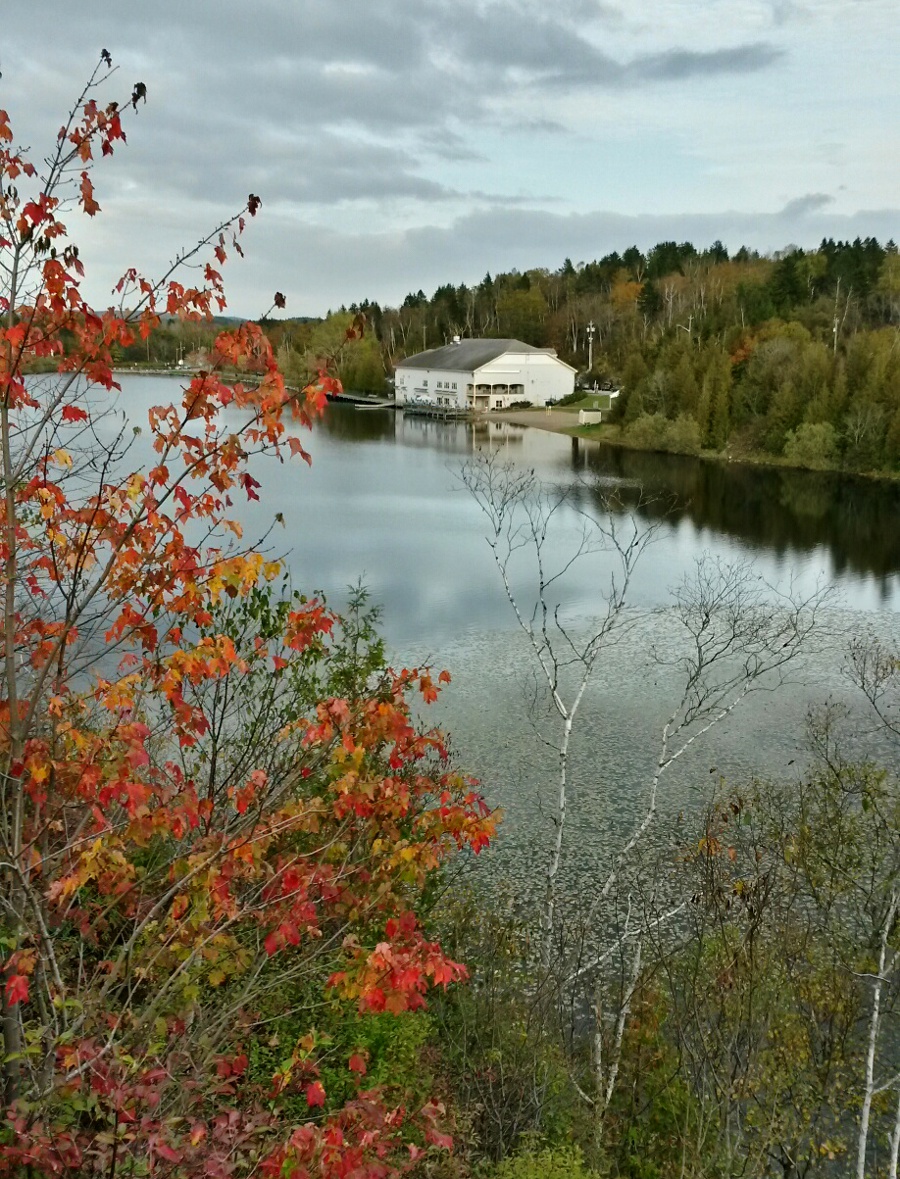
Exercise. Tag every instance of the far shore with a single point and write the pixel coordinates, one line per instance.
(561, 421)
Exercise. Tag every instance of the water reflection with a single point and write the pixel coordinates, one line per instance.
(773, 509)
(796, 525)
(462, 438)
(383, 501)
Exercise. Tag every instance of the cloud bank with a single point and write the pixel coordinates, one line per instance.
(398, 145)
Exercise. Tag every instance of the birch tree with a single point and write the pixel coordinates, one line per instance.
(731, 635)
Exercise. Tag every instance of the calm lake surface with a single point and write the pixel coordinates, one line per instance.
(383, 503)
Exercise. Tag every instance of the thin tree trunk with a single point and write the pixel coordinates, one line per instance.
(874, 1022)
(895, 1142)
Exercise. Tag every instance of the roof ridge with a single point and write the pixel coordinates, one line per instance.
(470, 352)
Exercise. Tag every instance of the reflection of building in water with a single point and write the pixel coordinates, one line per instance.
(489, 433)
(462, 436)
(483, 375)
(450, 437)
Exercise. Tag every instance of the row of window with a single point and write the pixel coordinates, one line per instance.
(441, 385)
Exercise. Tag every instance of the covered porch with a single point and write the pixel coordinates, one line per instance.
(493, 396)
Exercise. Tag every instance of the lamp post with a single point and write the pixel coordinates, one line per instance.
(590, 335)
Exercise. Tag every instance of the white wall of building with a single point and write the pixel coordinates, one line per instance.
(537, 377)
(425, 386)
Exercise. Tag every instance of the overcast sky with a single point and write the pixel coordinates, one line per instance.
(399, 144)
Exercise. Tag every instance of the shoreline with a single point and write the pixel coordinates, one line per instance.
(559, 421)
(565, 422)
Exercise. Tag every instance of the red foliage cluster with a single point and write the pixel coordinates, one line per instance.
(149, 916)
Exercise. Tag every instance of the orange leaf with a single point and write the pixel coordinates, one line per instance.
(88, 203)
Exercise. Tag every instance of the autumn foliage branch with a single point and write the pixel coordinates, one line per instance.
(202, 824)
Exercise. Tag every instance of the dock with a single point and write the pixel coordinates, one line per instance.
(366, 400)
(443, 413)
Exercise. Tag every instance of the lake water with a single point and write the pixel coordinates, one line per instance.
(383, 502)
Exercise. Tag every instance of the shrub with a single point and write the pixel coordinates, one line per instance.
(648, 432)
(683, 435)
(571, 398)
(813, 446)
(239, 820)
(558, 1162)
(499, 1038)
(653, 431)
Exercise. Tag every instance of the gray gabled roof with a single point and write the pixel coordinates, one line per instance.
(467, 355)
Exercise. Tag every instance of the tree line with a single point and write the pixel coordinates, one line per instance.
(791, 357)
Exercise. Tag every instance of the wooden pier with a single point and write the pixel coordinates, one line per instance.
(443, 413)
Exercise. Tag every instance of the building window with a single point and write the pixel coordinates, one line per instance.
(454, 384)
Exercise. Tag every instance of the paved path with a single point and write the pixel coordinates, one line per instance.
(557, 420)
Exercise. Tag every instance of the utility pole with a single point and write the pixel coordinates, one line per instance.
(590, 335)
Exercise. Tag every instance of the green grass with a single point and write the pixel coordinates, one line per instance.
(591, 401)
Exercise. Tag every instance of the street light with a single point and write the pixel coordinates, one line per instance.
(590, 335)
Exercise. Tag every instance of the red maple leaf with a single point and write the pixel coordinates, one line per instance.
(315, 1094)
(16, 989)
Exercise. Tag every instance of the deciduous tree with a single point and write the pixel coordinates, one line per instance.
(214, 810)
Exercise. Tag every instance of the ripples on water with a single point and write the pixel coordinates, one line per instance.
(383, 502)
(617, 737)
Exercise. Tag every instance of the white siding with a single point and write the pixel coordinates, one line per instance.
(537, 377)
(412, 385)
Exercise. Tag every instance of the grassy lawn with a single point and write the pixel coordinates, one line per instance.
(590, 401)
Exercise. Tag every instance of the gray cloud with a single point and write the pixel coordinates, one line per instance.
(399, 112)
(542, 52)
(535, 48)
(333, 105)
(785, 11)
(319, 266)
(678, 64)
(801, 206)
